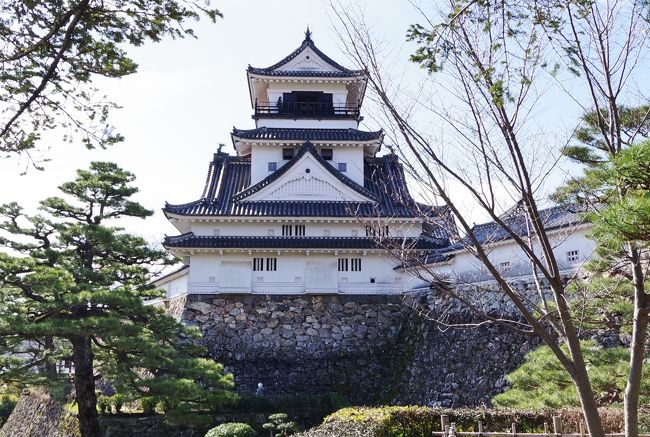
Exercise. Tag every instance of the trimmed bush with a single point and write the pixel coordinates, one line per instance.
(397, 421)
(233, 429)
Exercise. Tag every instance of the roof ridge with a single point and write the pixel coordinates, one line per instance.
(307, 43)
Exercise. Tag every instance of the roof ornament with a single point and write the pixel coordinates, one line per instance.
(221, 146)
(308, 34)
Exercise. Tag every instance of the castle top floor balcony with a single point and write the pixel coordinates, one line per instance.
(308, 110)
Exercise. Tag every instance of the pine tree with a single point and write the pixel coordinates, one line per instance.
(72, 286)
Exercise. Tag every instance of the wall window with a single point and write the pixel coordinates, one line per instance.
(376, 231)
(327, 154)
(287, 154)
(271, 264)
(293, 230)
(273, 166)
(258, 264)
(504, 266)
(343, 167)
(349, 264)
(572, 256)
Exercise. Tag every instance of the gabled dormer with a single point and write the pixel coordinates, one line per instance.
(306, 89)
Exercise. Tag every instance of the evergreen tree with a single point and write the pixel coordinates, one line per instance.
(72, 286)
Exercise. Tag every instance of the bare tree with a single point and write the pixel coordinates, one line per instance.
(493, 63)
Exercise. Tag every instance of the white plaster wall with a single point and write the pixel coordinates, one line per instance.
(339, 91)
(296, 273)
(564, 240)
(175, 286)
(261, 155)
(312, 229)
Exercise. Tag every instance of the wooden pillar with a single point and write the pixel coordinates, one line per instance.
(557, 425)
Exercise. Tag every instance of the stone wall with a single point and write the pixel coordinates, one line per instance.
(303, 344)
(372, 349)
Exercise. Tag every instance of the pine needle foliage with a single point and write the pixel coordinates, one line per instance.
(72, 286)
(541, 382)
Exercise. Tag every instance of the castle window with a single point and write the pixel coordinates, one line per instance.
(271, 264)
(343, 265)
(376, 231)
(293, 230)
(343, 167)
(327, 154)
(273, 166)
(258, 264)
(504, 266)
(356, 264)
(287, 154)
(372, 280)
(572, 256)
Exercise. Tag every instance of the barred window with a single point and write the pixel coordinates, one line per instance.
(343, 264)
(300, 230)
(504, 266)
(355, 264)
(377, 231)
(271, 264)
(258, 264)
(287, 230)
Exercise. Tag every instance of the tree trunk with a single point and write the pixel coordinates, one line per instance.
(637, 351)
(84, 384)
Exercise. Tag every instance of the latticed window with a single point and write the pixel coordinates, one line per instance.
(287, 230)
(300, 230)
(573, 256)
(376, 231)
(271, 264)
(343, 265)
(355, 264)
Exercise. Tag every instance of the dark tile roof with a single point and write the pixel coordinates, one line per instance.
(556, 217)
(307, 147)
(307, 43)
(190, 240)
(228, 175)
(300, 134)
(170, 274)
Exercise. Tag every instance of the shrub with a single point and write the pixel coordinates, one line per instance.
(233, 429)
(395, 421)
(280, 422)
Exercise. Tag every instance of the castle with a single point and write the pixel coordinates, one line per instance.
(289, 255)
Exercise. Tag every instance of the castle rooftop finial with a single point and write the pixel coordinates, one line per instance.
(308, 34)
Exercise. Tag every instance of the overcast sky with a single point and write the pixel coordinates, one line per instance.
(188, 94)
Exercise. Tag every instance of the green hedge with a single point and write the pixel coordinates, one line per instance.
(233, 429)
(397, 421)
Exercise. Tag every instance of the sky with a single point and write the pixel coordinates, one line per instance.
(186, 97)
(188, 94)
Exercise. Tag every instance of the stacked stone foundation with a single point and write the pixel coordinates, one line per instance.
(370, 349)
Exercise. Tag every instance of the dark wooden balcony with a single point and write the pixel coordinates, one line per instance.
(306, 110)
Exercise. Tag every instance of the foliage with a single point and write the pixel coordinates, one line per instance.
(233, 429)
(541, 382)
(72, 290)
(415, 421)
(279, 422)
(52, 49)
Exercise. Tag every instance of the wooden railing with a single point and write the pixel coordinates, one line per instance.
(306, 109)
(449, 430)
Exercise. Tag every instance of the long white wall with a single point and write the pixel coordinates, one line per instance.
(511, 259)
(295, 273)
(311, 229)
